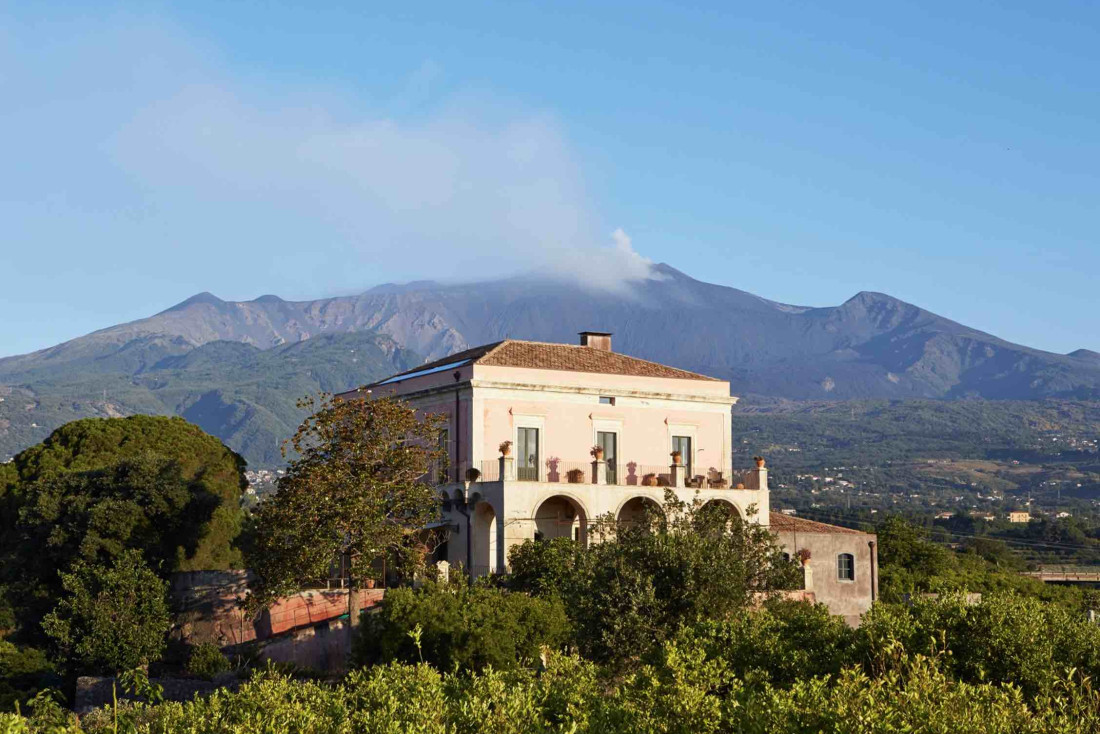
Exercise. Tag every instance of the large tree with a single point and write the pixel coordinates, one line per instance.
(357, 489)
(98, 487)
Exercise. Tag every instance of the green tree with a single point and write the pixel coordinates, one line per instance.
(357, 489)
(679, 565)
(140, 503)
(110, 618)
(460, 625)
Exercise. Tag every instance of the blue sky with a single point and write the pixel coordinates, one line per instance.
(945, 153)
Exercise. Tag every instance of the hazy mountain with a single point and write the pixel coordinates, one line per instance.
(237, 368)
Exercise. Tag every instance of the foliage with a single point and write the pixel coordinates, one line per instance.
(110, 618)
(683, 690)
(911, 563)
(358, 489)
(1005, 638)
(141, 503)
(460, 625)
(97, 487)
(781, 643)
(207, 660)
(674, 566)
(23, 672)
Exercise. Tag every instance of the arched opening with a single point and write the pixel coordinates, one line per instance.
(637, 510)
(561, 517)
(723, 511)
(486, 540)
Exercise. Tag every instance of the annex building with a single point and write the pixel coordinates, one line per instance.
(544, 438)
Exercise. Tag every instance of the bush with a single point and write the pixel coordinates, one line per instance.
(111, 618)
(207, 660)
(647, 578)
(782, 643)
(461, 625)
(1005, 639)
(683, 690)
(23, 672)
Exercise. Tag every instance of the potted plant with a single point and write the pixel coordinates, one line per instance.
(575, 476)
(677, 458)
(369, 583)
(505, 448)
(759, 461)
(649, 480)
(803, 556)
(472, 474)
(597, 452)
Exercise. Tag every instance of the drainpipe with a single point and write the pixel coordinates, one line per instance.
(874, 575)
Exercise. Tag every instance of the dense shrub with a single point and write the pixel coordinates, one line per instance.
(207, 660)
(23, 671)
(645, 579)
(470, 627)
(110, 618)
(682, 690)
(782, 643)
(1006, 638)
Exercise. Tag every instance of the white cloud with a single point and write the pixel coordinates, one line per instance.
(459, 193)
(138, 146)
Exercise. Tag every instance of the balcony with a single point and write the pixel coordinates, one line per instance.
(624, 474)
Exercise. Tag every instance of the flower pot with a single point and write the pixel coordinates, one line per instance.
(370, 583)
(677, 458)
(759, 462)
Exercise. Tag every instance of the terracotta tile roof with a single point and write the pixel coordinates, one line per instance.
(781, 523)
(568, 357)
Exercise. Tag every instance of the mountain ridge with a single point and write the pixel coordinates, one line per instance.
(238, 361)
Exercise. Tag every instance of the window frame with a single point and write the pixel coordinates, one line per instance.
(851, 559)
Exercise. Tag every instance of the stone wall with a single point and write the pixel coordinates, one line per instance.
(95, 692)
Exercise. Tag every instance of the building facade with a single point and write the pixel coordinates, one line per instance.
(524, 421)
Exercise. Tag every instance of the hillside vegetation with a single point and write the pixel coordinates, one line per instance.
(237, 368)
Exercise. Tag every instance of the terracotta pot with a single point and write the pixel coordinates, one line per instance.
(506, 451)
(760, 463)
(598, 453)
(369, 583)
(677, 459)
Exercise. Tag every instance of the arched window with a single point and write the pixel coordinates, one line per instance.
(786, 557)
(846, 567)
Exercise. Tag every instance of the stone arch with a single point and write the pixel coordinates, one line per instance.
(633, 509)
(486, 540)
(561, 516)
(730, 507)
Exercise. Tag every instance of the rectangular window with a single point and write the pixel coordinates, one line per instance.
(683, 445)
(610, 443)
(527, 454)
(846, 567)
(606, 400)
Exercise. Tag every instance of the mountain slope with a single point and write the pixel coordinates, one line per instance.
(236, 368)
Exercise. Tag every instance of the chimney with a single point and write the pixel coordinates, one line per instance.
(596, 340)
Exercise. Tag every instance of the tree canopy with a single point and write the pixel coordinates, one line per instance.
(99, 487)
(358, 488)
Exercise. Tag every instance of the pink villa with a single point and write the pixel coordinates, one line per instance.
(525, 420)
